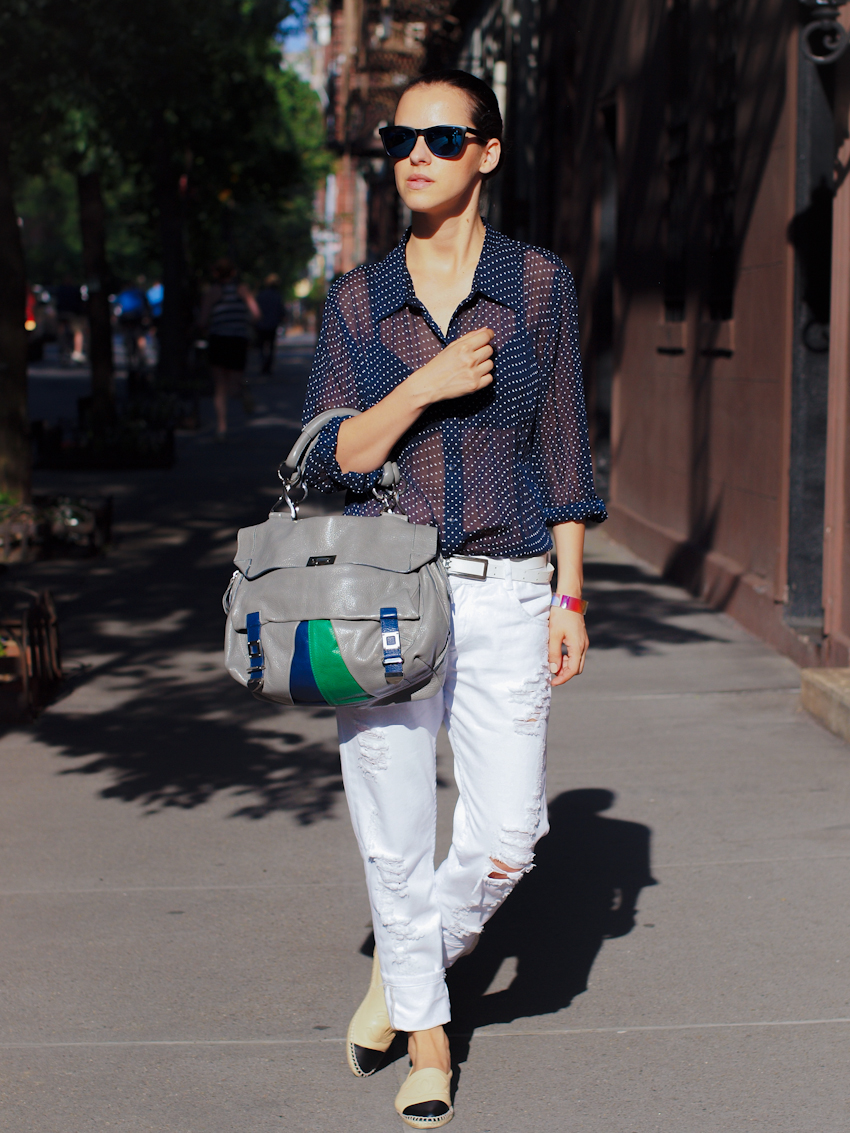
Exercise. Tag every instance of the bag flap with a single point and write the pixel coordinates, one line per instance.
(347, 593)
(385, 542)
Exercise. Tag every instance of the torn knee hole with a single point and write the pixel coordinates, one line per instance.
(508, 869)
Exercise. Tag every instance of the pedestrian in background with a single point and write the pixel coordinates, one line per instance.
(155, 295)
(226, 313)
(70, 316)
(133, 314)
(271, 316)
(461, 351)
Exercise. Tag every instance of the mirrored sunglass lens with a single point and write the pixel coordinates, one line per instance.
(443, 142)
(398, 143)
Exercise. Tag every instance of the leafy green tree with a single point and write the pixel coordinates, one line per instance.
(189, 93)
(46, 203)
(262, 216)
(178, 105)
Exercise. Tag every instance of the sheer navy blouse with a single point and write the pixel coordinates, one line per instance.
(491, 470)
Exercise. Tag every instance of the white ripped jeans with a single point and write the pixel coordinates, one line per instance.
(495, 706)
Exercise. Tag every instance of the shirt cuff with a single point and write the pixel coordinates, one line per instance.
(582, 511)
(323, 472)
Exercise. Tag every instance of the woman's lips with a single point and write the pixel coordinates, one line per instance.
(419, 182)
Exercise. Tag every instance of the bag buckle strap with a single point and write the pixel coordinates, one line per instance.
(256, 659)
(391, 642)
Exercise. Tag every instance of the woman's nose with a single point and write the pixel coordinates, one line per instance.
(420, 152)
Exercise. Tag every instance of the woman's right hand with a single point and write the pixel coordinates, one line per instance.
(464, 366)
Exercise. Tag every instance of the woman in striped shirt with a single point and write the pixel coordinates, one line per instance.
(226, 312)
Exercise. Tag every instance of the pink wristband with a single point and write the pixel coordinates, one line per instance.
(577, 605)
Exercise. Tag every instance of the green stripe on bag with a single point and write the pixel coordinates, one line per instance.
(331, 673)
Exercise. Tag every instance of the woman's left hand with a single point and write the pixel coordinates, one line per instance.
(566, 628)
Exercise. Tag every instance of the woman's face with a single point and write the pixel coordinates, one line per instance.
(427, 183)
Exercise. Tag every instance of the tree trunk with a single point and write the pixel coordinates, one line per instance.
(15, 449)
(173, 341)
(93, 232)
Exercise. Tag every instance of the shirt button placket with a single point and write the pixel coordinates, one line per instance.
(454, 486)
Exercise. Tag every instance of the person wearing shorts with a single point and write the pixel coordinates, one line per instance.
(227, 311)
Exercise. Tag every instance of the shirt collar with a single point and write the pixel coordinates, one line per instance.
(497, 275)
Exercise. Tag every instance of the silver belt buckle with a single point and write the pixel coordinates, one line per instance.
(470, 559)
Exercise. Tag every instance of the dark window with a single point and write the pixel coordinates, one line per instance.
(722, 251)
(678, 107)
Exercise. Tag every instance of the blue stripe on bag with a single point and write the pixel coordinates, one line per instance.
(302, 684)
(256, 660)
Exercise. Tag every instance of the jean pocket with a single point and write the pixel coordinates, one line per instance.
(534, 599)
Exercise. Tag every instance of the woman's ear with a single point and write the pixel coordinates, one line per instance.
(490, 157)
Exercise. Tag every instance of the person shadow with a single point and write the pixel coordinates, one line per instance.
(589, 872)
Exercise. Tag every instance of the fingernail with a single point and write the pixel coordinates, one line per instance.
(553, 668)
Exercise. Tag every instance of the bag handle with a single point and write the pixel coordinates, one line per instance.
(295, 462)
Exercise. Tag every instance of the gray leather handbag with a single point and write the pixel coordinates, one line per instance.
(337, 609)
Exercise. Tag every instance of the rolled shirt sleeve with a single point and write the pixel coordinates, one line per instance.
(333, 385)
(561, 470)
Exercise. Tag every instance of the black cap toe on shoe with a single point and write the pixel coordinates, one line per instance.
(366, 1058)
(427, 1109)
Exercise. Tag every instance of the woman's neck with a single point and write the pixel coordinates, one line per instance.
(455, 241)
(442, 258)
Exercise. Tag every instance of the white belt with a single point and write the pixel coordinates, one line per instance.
(534, 569)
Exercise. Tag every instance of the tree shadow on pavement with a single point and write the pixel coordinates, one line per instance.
(173, 747)
(632, 609)
(589, 871)
(168, 730)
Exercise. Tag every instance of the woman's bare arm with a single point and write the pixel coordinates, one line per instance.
(566, 628)
(211, 297)
(464, 366)
(250, 301)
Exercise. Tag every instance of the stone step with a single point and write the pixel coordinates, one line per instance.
(826, 694)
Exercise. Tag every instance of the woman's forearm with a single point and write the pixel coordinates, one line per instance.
(567, 633)
(464, 366)
(210, 298)
(569, 548)
(250, 302)
(364, 443)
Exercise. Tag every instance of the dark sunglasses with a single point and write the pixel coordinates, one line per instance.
(442, 141)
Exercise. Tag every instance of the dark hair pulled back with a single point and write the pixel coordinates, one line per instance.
(484, 112)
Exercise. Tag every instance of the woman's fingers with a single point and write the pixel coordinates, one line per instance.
(463, 367)
(477, 337)
(566, 629)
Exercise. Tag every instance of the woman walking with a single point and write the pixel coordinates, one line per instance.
(227, 311)
(461, 349)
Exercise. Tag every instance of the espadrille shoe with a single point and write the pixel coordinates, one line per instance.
(424, 1100)
(369, 1032)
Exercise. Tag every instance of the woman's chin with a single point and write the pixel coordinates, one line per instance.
(422, 200)
(426, 202)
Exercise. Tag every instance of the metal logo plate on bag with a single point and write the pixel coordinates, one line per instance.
(321, 560)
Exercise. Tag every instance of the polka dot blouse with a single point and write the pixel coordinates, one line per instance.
(490, 470)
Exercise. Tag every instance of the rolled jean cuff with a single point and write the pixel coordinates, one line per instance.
(417, 1004)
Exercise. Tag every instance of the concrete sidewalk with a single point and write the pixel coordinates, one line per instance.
(184, 904)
